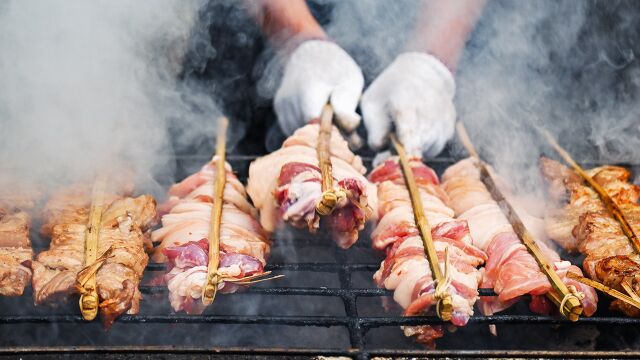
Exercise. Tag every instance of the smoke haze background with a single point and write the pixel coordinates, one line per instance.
(90, 85)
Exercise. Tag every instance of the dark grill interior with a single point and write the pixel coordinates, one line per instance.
(326, 305)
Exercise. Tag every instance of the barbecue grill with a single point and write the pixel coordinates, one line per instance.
(326, 305)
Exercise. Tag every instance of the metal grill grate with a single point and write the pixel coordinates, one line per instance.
(349, 289)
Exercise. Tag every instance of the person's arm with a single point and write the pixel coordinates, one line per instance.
(444, 27)
(317, 70)
(414, 95)
(284, 20)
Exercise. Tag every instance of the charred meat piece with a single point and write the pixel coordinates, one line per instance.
(286, 186)
(184, 242)
(406, 269)
(510, 270)
(122, 233)
(609, 257)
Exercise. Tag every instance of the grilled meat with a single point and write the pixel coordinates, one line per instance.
(16, 200)
(185, 232)
(510, 270)
(592, 230)
(122, 232)
(405, 269)
(286, 185)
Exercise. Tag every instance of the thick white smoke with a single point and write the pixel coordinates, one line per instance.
(87, 85)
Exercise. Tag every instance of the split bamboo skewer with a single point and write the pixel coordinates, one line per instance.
(213, 276)
(330, 195)
(605, 289)
(568, 301)
(606, 199)
(89, 293)
(444, 307)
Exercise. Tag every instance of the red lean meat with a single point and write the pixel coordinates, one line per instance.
(405, 269)
(286, 185)
(185, 231)
(511, 271)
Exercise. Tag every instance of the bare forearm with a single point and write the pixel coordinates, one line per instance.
(283, 20)
(444, 27)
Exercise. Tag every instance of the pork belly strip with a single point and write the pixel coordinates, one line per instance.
(122, 231)
(184, 237)
(285, 186)
(510, 270)
(406, 269)
(592, 230)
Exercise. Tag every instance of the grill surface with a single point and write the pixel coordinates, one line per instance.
(326, 305)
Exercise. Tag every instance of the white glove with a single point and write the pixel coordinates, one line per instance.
(416, 93)
(319, 71)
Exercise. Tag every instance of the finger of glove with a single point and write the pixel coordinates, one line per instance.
(410, 133)
(344, 100)
(288, 112)
(312, 100)
(444, 123)
(377, 121)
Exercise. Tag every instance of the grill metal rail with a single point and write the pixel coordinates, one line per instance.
(349, 291)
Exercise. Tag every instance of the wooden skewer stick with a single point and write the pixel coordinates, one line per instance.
(89, 293)
(213, 276)
(604, 196)
(330, 195)
(570, 302)
(444, 307)
(605, 289)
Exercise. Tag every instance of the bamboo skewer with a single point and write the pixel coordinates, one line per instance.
(444, 307)
(330, 195)
(605, 289)
(604, 196)
(568, 301)
(213, 276)
(89, 293)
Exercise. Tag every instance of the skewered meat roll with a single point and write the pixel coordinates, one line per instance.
(405, 269)
(286, 186)
(184, 242)
(510, 270)
(15, 245)
(121, 249)
(581, 222)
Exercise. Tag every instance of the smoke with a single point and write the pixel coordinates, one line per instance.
(568, 66)
(92, 86)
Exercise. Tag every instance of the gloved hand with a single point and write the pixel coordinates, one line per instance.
(416, 93)
(319, 71)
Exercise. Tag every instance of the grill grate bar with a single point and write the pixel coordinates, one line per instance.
(365, 322)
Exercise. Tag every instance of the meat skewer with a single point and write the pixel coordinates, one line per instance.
(287, 185)
(511, 270)
(444, 306)
(406, 269)
(569, 302)
(120, 253)
(210, 237)
(606, 199)
(583, 222)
